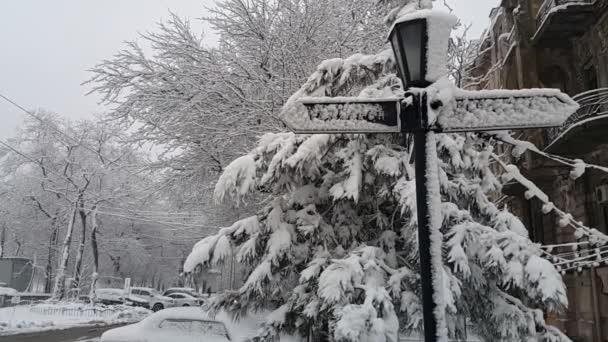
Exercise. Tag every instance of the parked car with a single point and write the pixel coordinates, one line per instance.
(8, 291)
(175, 324)
(187, 290)
(148, 298)
(183, 299)
(191, 324)
(109, 296)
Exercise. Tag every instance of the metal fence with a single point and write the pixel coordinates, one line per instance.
(593, 104)
(90, 312)
(549, 5)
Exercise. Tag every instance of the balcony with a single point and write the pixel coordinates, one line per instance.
(584, 130)
(559, 20)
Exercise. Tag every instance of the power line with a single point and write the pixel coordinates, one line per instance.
(184, 226)
(37, 117)
(168, 223)
(155, 212)
(56, 129)
(33, 160)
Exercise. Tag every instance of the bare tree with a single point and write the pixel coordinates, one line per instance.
(208, 105)
(461, 55)
(77, 166)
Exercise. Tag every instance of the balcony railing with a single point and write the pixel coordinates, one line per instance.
(593, 105)
(549, 6)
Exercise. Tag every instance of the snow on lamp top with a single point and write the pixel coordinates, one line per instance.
(420, 41)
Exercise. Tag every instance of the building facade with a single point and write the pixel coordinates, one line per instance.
(559, 44)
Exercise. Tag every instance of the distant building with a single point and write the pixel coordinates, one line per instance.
(16, 273)
(230, 275)
(559, 44)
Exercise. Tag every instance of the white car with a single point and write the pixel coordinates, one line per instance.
(149, 298)
(183, 299)
(109, 296)
(191, 324)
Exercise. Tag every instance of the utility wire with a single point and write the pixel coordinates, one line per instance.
(160, 222)
(56, 129)
(33, 160)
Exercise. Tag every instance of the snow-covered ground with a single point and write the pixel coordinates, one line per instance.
(39, 317)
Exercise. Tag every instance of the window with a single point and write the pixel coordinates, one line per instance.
(555, 77)
(140, 293)
(590, 77)
(198, 327)
(177, 296)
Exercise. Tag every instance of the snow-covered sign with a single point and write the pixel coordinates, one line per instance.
(344, 115)
(465, 111)
(488, 110)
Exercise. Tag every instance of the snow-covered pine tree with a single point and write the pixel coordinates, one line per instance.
(334, 252)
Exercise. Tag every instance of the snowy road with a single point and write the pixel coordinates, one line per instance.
(84, 334)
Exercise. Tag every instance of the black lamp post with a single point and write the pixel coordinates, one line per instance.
(410, 42)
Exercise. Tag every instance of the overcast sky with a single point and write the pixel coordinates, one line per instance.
(47, 46)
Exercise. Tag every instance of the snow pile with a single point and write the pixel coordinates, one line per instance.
(214, 249)
(20, 319)
(578, 169)
(242, 169)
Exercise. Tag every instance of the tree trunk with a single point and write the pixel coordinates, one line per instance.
(95, 251)
(59, 289)
(83, 238)
(2, 240)
(48, 284)
(18, 251)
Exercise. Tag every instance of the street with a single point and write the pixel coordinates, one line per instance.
(80, 334)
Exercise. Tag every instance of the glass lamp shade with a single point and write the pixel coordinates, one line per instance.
(409, 41)
(420, 43)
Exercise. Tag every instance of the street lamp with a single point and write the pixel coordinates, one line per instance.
(409, 41)
(420, 43)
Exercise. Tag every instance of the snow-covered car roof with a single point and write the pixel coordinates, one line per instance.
(189, 289)
(148, 327)
(7, 291)
(239, 331)
(143, 288)
(109, 290)
(186, 295)
(180, 313)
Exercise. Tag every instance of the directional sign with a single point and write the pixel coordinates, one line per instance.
(467, 111)
(344, 115)
(493, 110)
